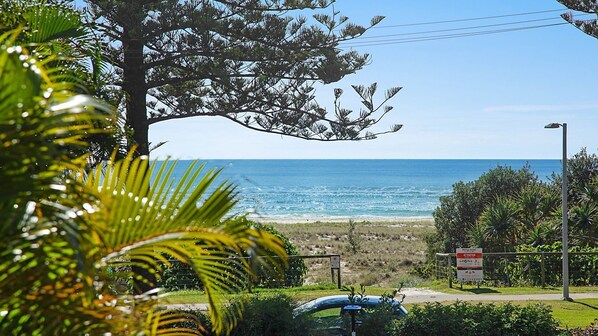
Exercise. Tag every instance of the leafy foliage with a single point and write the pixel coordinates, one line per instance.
(54, 32)
(589, 27)
(463, 318)
(591, 330)
(47, 279)
(354, 237)
(270, 315)
(179, 276)
(459, 212)
(252, 62)
(584, 267)
(65, 230)
(380, 320)
(505, 208)
(292, 275)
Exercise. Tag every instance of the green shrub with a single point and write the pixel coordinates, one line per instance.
(379, 321)
(584, 267)
(294, 273)
(355, 239)
(270, 315)
(465, 319)
(181, 277)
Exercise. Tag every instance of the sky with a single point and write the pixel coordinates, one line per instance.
(486, 96)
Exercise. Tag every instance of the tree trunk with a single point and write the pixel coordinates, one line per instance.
(134, 79)
(135, 90)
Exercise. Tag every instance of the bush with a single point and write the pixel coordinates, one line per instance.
(294, 273)
(180, 276)
(379, 321)
(460, 211)
(270, 315)
(584, 268)
(464, 319)
(355, 239)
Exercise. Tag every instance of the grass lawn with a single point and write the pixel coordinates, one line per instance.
(304, 293)
(578, 313)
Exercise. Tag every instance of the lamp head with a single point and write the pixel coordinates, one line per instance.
(553, 125)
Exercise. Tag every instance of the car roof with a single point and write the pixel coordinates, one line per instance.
(339, 301)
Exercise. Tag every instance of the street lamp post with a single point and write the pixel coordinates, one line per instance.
(564, 228)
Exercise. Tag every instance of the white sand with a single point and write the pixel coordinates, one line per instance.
(307, 220)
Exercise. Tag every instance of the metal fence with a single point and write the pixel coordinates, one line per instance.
(526, 268)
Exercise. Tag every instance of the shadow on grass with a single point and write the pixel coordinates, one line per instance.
(585, 304)
(478, 290)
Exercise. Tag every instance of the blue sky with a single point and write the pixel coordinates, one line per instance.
(485, 96)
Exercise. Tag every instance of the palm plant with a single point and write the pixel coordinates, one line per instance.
(541, 234)
(584, 223)
(477, 235)
(64, 229)
(529, 201)
(54, 30)
(40, 121)
(537, 204)
(501, 222)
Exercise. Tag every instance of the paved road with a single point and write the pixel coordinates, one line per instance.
(416, 295)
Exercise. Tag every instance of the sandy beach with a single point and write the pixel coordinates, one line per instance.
(307, 220)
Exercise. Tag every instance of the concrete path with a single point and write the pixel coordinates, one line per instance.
(416, 295)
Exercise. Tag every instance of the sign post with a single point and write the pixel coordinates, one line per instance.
(335, 264)
(470, 266)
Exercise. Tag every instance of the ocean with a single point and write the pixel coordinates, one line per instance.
(343, 189)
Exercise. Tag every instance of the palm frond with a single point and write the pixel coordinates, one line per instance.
(46, 278)
(48, 23)
(150, 216)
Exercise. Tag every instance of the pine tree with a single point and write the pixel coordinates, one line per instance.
(589, 27)
(254, 62)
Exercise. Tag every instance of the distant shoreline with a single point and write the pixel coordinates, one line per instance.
(315, 219)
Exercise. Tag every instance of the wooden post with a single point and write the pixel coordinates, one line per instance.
(335, 263)
(543, 270)
(450, 271)
(436, 268)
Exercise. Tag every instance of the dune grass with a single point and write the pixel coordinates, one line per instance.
(384, 256)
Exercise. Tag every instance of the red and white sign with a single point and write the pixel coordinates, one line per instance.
(470, 265)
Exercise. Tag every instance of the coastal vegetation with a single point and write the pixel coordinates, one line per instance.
(71, 232)
(386, 255)
(506, 209)
(180, 276)
(89, 225)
